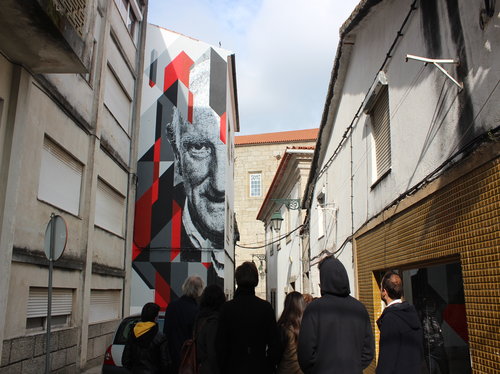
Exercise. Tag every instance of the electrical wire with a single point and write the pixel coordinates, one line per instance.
(273, 242)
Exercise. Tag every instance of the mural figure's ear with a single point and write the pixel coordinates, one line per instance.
(177, 161)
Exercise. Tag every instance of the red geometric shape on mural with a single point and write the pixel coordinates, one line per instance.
(190, 107)
(135, 251)
(175, 244)
(154, 191)
(178, 69)
(162, 292)
(223, 128)
(142, 220)
(207, 264)
(151, 83)
(455, 316)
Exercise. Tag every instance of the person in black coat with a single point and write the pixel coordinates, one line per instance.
(247, 338)
(206, 326)
(180, 317)
(146, 350)
(335, 335)
(401, 336)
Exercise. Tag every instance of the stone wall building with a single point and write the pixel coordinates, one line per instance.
(257, 159)
(70, 76)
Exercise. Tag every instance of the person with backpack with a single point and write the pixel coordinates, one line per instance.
(146, 350)
(289, 325)
(180, 317)
(206, 326)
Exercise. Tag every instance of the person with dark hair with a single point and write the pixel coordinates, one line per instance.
(247, 339)
(146, 350)
(307, 298)
(206, 325)
(180, 317)
(401, 337)
(289, 325)
(336, 334)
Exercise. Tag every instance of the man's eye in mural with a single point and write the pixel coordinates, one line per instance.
(199, 150)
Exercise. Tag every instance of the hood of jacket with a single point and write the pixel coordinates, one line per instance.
(145, 332)
(405, 312)
(333, 278)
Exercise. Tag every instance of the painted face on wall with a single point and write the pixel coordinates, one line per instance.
(201, 162)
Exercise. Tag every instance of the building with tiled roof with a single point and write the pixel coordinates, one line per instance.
(278, 137)
(256, 161)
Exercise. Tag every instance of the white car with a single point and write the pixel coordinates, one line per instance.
(113, 357)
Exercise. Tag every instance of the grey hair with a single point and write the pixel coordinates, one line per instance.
(193, 286)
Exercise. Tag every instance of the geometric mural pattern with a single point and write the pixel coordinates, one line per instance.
(182, 145)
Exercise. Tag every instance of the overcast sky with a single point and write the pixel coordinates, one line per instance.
(284, 52)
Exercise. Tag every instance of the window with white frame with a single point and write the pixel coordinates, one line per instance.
(60, 179)
(104, 305)
(255, 184)
(377, 106)
(109, 208)
(321, 213)
(37, 309)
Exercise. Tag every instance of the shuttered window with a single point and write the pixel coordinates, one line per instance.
(110, 208)
(380, 120)
(62, 302)
(60, 178)
(117, 100)
(104, 305)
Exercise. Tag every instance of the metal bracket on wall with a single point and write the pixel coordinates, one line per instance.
(293, 204)
(436, 63)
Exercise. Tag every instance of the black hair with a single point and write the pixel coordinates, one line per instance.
(246, 275)
(149, 312)
(212, 297)
(393, 284)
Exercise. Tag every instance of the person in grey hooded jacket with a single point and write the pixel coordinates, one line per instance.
(336, 334)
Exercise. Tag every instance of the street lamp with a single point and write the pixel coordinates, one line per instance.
(276, 220)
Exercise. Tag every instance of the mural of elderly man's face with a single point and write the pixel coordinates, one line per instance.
(200, 159)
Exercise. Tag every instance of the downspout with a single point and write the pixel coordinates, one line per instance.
(132, 175)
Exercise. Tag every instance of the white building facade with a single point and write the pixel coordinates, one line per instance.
(69, 82)
(284, 242)
(406, 165)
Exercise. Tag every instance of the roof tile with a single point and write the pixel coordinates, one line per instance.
(277, 137)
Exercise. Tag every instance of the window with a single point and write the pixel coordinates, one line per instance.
(117, 100)
(60, 178)
(131, 14)
(381, 132)
(321, 213)
(62, 305)
(104, 305)
(256, 185)
(377, 106)
(437, 292)
(109, 209)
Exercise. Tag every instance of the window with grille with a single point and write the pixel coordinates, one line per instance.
(109, 208)
(37, 309)
(60, 178)
(255, 185)
(380, 121)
